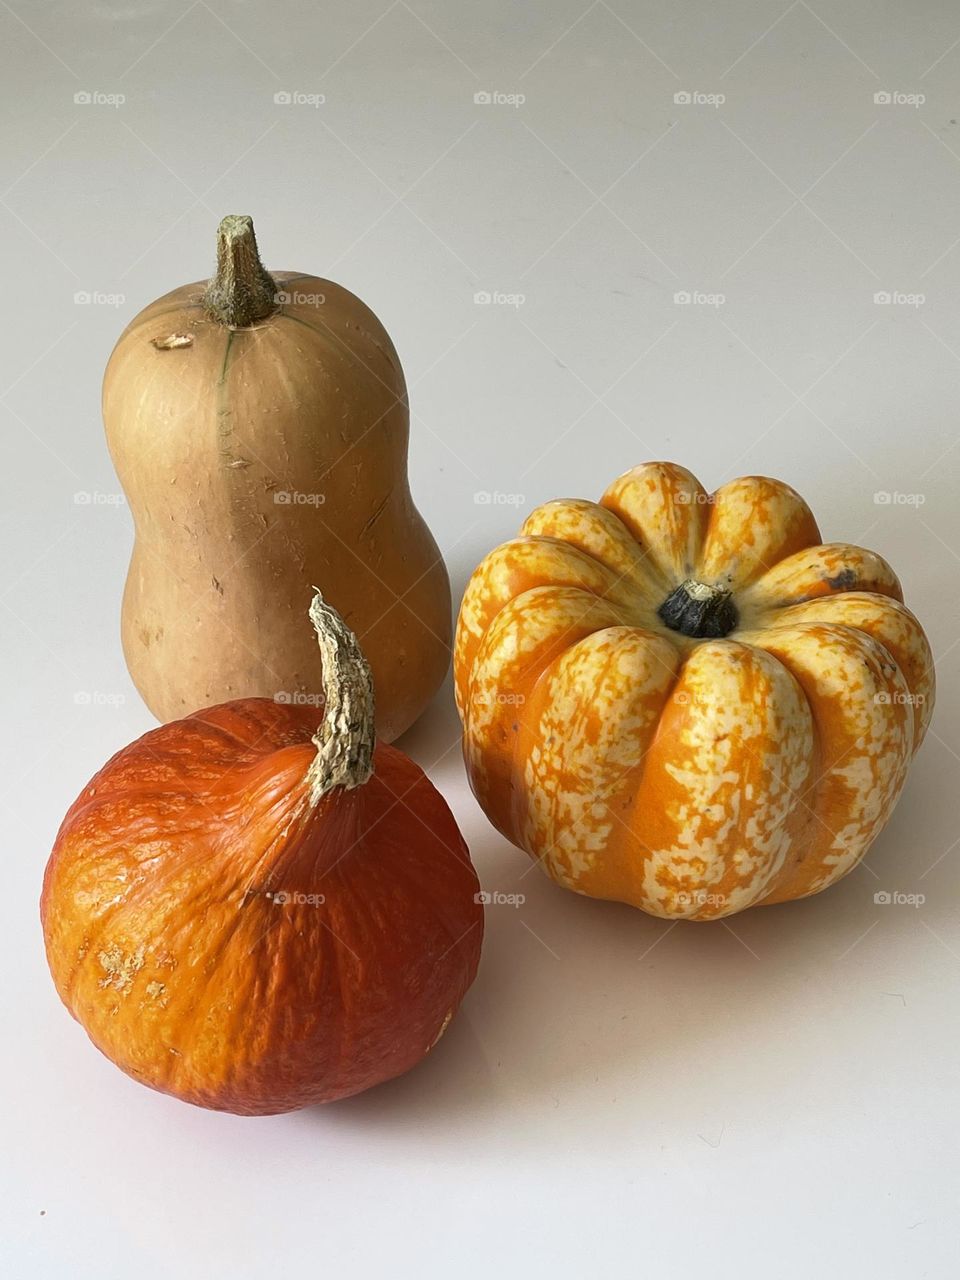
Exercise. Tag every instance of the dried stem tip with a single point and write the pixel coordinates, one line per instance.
(346, 739)
(243, 291)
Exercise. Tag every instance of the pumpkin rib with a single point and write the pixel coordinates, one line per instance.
(564, 618)
(542, 857)
(475, 618)
(718, 797)
(889, 622)
(523, 564)
(754, 523)
(663, 507)
(851, 795)
(567, 739)
(640, 769)
(810, 574)
(599, 534)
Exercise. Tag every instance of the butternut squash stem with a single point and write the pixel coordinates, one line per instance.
(243, 291)
(347, 736)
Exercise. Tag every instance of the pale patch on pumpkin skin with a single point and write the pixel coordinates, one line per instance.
(602, 536)
(526, 636)
(582, 751)
(738, 742)
(539, 562)
(120, 967)
(764, 821)
(885, 619)
(865, 728)
(754, 524)
(664, 508)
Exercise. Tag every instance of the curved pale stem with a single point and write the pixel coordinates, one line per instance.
(346, 739)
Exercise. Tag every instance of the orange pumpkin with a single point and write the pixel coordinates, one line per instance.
(686, 701)
(255, 914)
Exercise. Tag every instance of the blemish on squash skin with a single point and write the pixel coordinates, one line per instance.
(119, 968)
(443, 1027)
(173, 341)
(378, 512)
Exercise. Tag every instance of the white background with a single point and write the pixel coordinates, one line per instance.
(770, 1096)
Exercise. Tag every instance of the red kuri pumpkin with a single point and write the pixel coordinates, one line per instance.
(256, 914)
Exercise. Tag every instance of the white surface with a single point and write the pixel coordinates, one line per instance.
(776, 1096)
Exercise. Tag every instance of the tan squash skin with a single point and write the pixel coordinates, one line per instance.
(308, 401)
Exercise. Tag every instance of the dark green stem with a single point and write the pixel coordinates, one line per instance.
(699, 611)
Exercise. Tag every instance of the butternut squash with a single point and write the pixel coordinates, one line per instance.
(259, 427)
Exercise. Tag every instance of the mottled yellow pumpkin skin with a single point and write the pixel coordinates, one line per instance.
(690, 777)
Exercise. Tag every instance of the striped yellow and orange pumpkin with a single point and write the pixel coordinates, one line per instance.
(686, 701)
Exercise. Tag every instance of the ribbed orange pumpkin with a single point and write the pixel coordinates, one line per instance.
(254, 914)
(685, 701)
